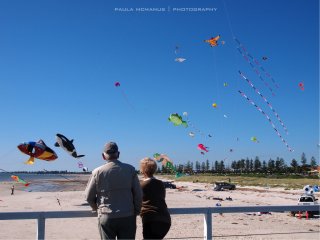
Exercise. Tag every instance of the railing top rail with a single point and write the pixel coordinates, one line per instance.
(243, 209)
(49, 214)
(200, 210)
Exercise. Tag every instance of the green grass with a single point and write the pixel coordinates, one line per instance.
(270, 181)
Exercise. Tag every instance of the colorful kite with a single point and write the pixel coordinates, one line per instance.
(191, 134)
(177, 120)
(202, 147)
(81, 165)
(213, 41)
(266, 101)
(214, 105)
(269, 120)
(163, 158)
(166, 162)
(37, 150)
(180, 60)
(66, 145)
(301, 86)
(20, 180)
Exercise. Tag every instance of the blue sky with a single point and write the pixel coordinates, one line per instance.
(59, 61)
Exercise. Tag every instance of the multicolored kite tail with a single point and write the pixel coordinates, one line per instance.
(256, 70)
(268, 118)
(196, 129)
(269, 104)
(256, 62)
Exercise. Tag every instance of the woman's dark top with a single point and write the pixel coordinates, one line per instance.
(154, 207)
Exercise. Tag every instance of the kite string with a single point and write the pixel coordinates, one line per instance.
(266, 101)
(236, 58)
(5, 171)
(195, 128)
(228, 17)
(268, 118)
(4, 155)
(66, 177)
(217, 82)
(205, 136)
(126, 99)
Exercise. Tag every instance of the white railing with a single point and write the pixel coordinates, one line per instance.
(206, 211)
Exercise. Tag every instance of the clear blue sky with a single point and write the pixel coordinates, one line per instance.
(59, 61)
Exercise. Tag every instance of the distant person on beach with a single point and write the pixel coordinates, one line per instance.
(156, 220)
(12, 190)
(115, 193)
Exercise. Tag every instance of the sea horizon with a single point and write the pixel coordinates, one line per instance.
(48, 182)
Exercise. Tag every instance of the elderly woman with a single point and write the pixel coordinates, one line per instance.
(156, 219)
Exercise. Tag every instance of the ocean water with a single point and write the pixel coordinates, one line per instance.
(46, 182)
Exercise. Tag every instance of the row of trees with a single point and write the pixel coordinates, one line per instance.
(247, 165)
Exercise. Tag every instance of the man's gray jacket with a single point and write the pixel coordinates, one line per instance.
(114, 189)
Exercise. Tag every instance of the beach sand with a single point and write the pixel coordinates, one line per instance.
(227, 226)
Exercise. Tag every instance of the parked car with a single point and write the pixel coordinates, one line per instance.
(169, 185)
(307, 199)
(220, 186)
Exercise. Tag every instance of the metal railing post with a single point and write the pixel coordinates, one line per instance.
(41, 226)
(207, 225)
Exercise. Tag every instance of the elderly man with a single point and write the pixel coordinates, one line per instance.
(114, 192)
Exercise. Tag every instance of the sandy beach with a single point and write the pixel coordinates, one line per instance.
(227, 226)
